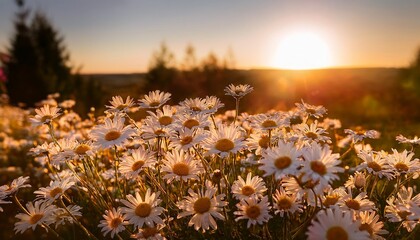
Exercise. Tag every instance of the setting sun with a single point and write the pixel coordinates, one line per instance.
(302, 50)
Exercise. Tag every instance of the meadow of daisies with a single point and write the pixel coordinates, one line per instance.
(197, 171)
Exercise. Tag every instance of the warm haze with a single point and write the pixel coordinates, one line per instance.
(120, 36)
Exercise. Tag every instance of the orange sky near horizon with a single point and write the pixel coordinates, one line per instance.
(109, 37)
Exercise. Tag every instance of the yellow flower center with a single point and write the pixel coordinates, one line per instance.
(186, 140)
(336, 232)
(284, 203)
(82, 149)
(181, 169)
(143, 210)
(202, 205)
(247, 190)
(122, 106)
(353, 204)
(115, 222)
(318, 167)
(55, 191)
(195, 108)
(374, 166)
(401, 167)
(224, 145)
(35, 218)
(190, 123)
(264, 141)
(46, 118)
(403, 214)
(149, 232)
(165, 120)
(282, 162)
(366, 227)
(253, 212)
(269, 124)
(311, 135)
(112, 135)
(154, 104)
(137, 165)
(330, 200)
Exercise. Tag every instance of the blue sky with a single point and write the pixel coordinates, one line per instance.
(121, 35)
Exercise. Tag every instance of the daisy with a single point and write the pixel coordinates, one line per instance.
(150, 233)
(253, 209)
(266, 121)
(191, 121)
(67, 104)
(14, 186)
(164, 117)
(134, 161)
(333, 224)
(45, 115)
(154, 99)
(180, 165)
(238, 91)
(329, 123)
(357, 204)
(152, 130)
(403, 163)
(401, 139)
(286, 203)
(258, 142)
(375, 164)
(205, 206)
(252, 186)
(361, 134)
(332, 196)
(187, 138)
(194, 106)
(224, 140)
(61, 216)
(312, 133)
(357, 181)
(369, 222)
(113, 222)
(213, 104)
(320, 164)
(111, 133)
(39, 213)
(311, 110)
(119, 105)
(140, 212)
(309, 190)
(55, 190)
(398, 208)
(281, 160)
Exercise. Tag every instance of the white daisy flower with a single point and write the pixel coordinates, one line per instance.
(111, 133)
(286, 203)
(401, 139)
(113, 222)
(154, 99)
(40, 212)
(312, 133)
(55, 190)
(311, 110)
(320, 164)
(238, 91)
(403, 162)
(61, 216)
(164, 117)
(252, 186)
(266, 121)
(45, 115)
(359, 134)
(180, 165)
(224, 140)
(253, 209)
(370, 222)
(213, 104)
(398, 208)
(259, 142)
(140, 212)
(14, 186)
(375, 164)
(205, 206)
(359, 203)
(191, 121)
(150, 233)
(134, 161)
(281, 160)
(332, 196)
(358, 180)
(194, 106)
(119, 105)
(186, 138)
(333, 224)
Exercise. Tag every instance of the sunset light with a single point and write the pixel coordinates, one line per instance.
(302, 50)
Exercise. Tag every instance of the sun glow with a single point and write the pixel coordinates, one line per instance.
(302, 50)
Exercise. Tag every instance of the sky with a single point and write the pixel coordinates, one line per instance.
(120, 36)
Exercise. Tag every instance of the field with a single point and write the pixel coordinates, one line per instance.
(278, 155)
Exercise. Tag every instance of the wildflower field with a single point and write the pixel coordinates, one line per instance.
(196, 171)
